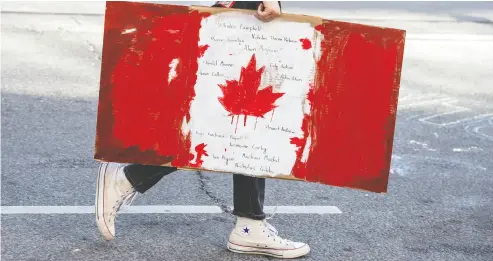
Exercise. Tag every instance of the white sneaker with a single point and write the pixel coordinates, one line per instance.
(112, 191)
(254, 237)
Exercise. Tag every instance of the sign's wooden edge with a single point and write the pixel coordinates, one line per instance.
(280, 177)
(313, 20)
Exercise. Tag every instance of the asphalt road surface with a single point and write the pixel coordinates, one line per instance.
(440, 200)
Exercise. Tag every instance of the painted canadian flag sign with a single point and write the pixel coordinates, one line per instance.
(216, 89)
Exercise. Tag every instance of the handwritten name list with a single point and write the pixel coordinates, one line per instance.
(242, 152)
(240, 37)
(242, 143)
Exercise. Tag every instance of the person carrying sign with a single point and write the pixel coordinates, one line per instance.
(118, 184)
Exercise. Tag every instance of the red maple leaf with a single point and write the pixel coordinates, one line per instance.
(243, 97)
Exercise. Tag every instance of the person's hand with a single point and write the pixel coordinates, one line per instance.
(268, 11)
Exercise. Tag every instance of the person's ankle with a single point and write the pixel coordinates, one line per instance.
(122, 175)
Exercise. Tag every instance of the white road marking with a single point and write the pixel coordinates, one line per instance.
(424, 145)
(461, 120)
(476, 131)
(428, 118)
(450, 37)
(447, 102)
(421, 97)
(419, 103)
(473, 148)
(163, 209)
(455, 106)
(303, 210)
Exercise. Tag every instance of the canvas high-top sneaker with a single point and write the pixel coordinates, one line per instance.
(254, 237)
(112, 191)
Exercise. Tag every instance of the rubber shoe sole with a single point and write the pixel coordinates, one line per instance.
(284, 254)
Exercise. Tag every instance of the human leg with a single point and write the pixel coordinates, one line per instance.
(248, 197)
(252, 233)
(117, 185)
(144, 177)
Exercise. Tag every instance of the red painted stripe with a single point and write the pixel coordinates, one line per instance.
(141, 113)
(353, 106)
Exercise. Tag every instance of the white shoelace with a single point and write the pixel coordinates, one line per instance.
(273, 231)
(269, 226)
(128, 200)
(273, 213)
(276, 238)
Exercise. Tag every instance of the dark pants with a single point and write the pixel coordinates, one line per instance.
(248, 192)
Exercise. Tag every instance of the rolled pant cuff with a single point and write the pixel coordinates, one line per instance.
(250, 215)
(133, 183)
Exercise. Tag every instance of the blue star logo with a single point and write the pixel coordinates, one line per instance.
(246, 230)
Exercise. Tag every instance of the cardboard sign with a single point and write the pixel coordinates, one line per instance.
(216, 89)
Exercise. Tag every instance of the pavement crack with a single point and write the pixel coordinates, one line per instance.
(217, 200)
(28, 29)
(75, 20)
(94, 50)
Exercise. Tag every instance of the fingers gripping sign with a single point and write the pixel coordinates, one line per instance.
(268, 11)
